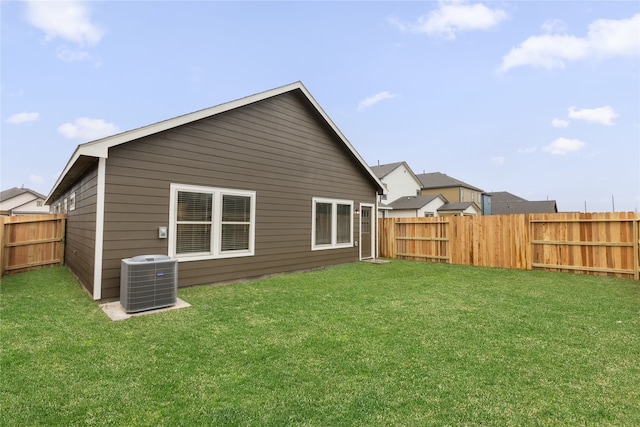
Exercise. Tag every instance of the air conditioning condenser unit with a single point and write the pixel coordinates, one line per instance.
(148, 282)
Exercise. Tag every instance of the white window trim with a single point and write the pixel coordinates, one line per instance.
(72, 202)
(216, 241)
(334, 224)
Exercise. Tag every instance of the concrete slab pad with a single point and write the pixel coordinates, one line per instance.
(376, 261)
(115, 311)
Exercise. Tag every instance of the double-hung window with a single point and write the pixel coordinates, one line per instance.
(332, 224)
(209, 223)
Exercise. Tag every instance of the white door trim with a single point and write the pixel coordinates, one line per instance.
(372, 220)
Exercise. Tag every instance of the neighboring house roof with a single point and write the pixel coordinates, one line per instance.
(86, 154)
(15, 191)
(503, 202)
(523, 206)
(398, 179)
(413, 202)
(440, 180)
(383, 170)
(456, 206)
(504, 196)
(21, 201)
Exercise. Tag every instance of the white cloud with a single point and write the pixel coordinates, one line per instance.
(602, 115)
(498, 160)
(527, 150)
(36, 179)
(546, 51)
(71, 55)
(554, 26)
(87, 129)
(610, 37)
(559, 123)
(453, 17)
(381, 96)
(20, 118)
(68, 20)
(605, 38)
(564, 145)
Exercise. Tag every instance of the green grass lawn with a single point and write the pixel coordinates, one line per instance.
(399, 344)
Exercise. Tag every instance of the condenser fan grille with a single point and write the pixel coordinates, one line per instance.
(148, 282)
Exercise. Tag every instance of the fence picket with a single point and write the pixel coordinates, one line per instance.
(597, 243)
(31, 241)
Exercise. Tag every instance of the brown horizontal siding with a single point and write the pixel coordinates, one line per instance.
(226, 271)
(236, 172)
(80, 230)
(276, 147)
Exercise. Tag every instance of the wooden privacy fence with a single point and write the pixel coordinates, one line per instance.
(596, 243)
(31, 241)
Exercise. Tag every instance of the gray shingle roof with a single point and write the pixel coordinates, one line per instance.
(15, 191)
(504, 196)
(524, 206)
(383, 170)
(413, 202)
(440, 180)
(456, 206)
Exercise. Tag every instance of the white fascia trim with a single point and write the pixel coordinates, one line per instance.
(341, 136)
(97, 258)
(100, 147)
(70, 163)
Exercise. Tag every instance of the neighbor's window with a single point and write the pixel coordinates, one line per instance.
(211, 222)
(332, 224)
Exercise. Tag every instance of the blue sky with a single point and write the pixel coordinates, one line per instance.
(538, 98)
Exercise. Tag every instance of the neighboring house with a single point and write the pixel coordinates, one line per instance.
(262, 185)
(453, 190)
(459, 209)
(398, 179)
(503, 202)
(22, 201)
(416, 206)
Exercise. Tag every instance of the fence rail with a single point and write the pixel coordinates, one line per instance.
(596, 243)
(30, 242)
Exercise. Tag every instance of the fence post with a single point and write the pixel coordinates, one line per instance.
(528, 246)
(3, 243)
(392, 244)
(636, 248)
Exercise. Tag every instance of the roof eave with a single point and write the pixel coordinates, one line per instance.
(381, 189)
(100, 148)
